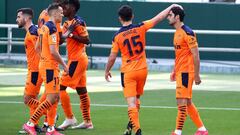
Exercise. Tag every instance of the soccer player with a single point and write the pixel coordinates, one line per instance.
(34, 80)
(49, 71)
(74, 29)
(42, 19)
(186, 71)
(130, 40)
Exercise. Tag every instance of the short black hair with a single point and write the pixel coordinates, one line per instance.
(52, 6)
(125, 12)
(27, 11)
(178, 11)
(75, 4)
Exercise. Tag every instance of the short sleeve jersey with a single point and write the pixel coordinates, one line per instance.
(75, 48)
(44, 17)
(184, 40)
(48, 37)
(31, 54)
(130, 41)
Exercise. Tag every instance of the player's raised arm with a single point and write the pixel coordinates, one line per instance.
(163, 14)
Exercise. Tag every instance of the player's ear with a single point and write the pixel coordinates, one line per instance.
(132, 17)
(120, 19)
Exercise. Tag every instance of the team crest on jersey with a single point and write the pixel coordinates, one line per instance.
(54, 38)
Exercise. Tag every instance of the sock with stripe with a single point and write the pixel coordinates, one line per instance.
(85, 107)
(133, 115)
(32, 104)
(45, 105)
(181, 117)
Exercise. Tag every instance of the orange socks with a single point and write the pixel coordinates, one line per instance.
(134, 118)
(66, 105)
(85, 106)
(181, 116)
(194, 115)
(32, 104)
(51, 114)
(39, 111)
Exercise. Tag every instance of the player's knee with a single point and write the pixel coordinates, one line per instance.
(26, 99)
(62, 88)
(81, 90)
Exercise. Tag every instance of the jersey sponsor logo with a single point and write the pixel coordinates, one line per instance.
(54, 38)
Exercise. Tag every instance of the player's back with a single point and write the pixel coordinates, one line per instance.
(75, 48)
(184, 40)
(131, 42)
(31, 54)
(48, 37)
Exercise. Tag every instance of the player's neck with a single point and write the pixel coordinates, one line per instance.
(126, 23)
(70, 17)
(28, 25)
(52, 20)
(178, 25)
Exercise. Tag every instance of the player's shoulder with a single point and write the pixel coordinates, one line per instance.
(51, 27)
(126, 28)
(188, 30)
(80, 20)
(33, 30)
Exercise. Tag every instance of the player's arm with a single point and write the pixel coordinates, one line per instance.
(162, 15)
(81, 39)
(110, 63)
(57, 57)
(196, 60)
(78, 37)
(38, 46)
(173, 75)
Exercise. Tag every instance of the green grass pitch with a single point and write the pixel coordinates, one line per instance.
(217, 99)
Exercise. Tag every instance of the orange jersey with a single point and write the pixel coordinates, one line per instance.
(44, 17)
(48, 37)
(31, 54)
(184, 40)
(75, 48)
(131, 42)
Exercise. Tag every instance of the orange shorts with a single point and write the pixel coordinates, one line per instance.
(33, 83)
(133, 82)
(184, 85)
(77, 76)
(51, 80)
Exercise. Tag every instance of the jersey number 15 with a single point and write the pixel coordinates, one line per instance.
(132, 48)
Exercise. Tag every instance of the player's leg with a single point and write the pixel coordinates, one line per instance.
(70, 120)
(195, 117)
(70, 80)
(183, 94)
(130, 83)
(85, 109)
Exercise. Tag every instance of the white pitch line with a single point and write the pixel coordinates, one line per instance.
(142, 106)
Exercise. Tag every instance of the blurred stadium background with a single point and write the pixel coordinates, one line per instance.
(217, 25)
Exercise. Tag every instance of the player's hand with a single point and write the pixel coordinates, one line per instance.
(173, 77)
(107, 76)
(197, 79)
(65, 68)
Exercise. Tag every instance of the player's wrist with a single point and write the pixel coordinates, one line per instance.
(70, 35)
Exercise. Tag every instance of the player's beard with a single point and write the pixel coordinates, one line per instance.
(21, 24)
